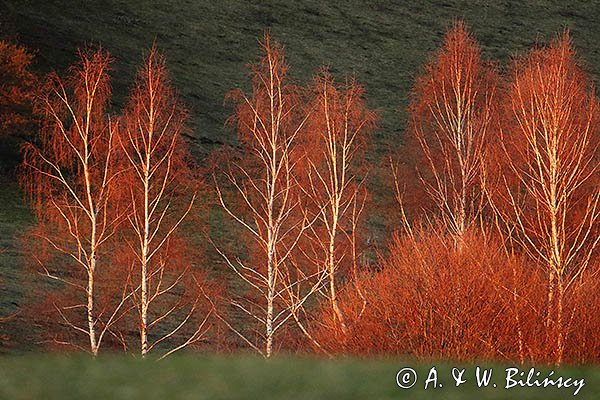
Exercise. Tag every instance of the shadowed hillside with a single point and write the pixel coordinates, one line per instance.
(208, 44)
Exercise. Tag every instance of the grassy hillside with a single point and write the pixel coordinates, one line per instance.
(54, 377)
(208, 43)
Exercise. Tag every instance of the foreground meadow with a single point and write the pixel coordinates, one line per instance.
(35, 376)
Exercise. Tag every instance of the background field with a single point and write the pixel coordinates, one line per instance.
(243, 377)
(208, 44)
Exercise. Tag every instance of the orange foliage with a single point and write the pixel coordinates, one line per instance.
(112, 201)
(17, 88)
(432, 300)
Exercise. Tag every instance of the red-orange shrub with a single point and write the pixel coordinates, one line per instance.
(430, 299)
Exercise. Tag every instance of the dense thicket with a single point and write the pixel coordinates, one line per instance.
(504, 264)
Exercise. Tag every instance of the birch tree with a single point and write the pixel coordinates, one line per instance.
(268, 206)
(70, 174)
(158, 181)
(335, 139)
(548, 192)
(451, 114)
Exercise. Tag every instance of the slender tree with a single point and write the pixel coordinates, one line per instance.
(335, 139)
(268, 123)
(548, 193)
(70, 174)
(451, 112)
(161, 194)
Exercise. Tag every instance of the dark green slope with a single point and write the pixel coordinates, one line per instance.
(209, 42)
